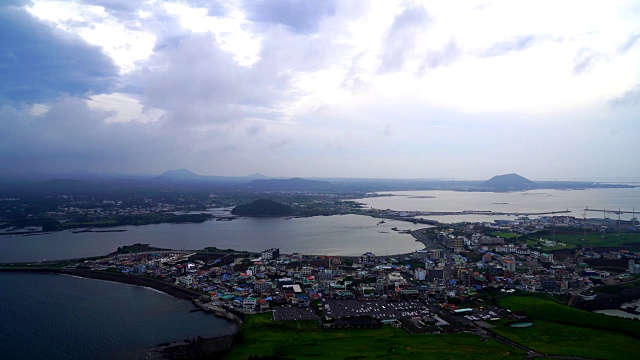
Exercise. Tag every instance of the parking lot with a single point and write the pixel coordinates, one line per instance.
(377, 309)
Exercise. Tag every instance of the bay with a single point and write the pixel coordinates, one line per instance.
(534, 201)
(346, 235)
(621, 313)
(48, 316)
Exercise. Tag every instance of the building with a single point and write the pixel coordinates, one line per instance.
(262, 286)
(465, 277)
(306, 271)
(435, 254)
(368, 258)
(509, 265)
(437, 273)
(455, 242)
(486, 240)
(249, 304)
(548, 258)
(271, 254)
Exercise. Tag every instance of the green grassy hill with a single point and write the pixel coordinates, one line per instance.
(562, 330)
(263, 338)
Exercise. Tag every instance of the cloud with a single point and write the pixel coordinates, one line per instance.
(400, 39)
(275, 86)
(198, 83)
(39, 62)
(119, 7)
(298, 15)
(69, 136)
(585, 60)
(627, 45)
(353, 79)
(629, 98)
(514, 43)
(446, 56)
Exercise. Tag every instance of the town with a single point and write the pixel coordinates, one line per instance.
(445, 287)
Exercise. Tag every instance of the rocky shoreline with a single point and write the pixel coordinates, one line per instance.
(174, 350)
(604, 301)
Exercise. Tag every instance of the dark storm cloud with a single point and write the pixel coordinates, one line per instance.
(515, 43)
(38, 62)
(70, 136)
(628, 98)
(299, 15)
(401, 38)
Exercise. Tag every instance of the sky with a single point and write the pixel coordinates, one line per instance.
(387, 89)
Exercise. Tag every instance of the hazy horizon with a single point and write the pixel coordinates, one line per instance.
(328, 89)
(81, 173)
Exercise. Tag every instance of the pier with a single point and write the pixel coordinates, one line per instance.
(488, 212)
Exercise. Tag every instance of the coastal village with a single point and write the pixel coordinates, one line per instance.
(441, 288)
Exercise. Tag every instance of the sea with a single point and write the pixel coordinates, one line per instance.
(621, 313)
(62, 317)
(46, 316)
(533, 201)
(346, 235)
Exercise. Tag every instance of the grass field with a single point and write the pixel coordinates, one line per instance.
(307, 340)
(596, 240)
(562, 330)
(591, 240)
(506, 235)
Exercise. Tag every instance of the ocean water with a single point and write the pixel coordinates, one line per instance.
(45, 316)
(533, 201)
(347, 235)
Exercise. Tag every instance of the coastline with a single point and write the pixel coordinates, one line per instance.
(173, 350)
(167, 288)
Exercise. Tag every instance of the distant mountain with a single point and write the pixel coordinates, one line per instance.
(70, 186)
(181, 174)
(295, 184)
(263, 207)
(509, 182)
(256, 176)
(186, 175)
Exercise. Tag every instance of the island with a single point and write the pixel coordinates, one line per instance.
(263, 207)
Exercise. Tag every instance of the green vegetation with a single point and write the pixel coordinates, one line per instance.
(618, 288)
(596, 239)
(263, 207)
(506, 235)
(137, 247)
(261, 337)
(562, 330)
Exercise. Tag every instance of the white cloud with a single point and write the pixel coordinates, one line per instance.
(123, 108)
(124, 40)
(357, 87)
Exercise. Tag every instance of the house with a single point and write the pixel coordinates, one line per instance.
(249, 304)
